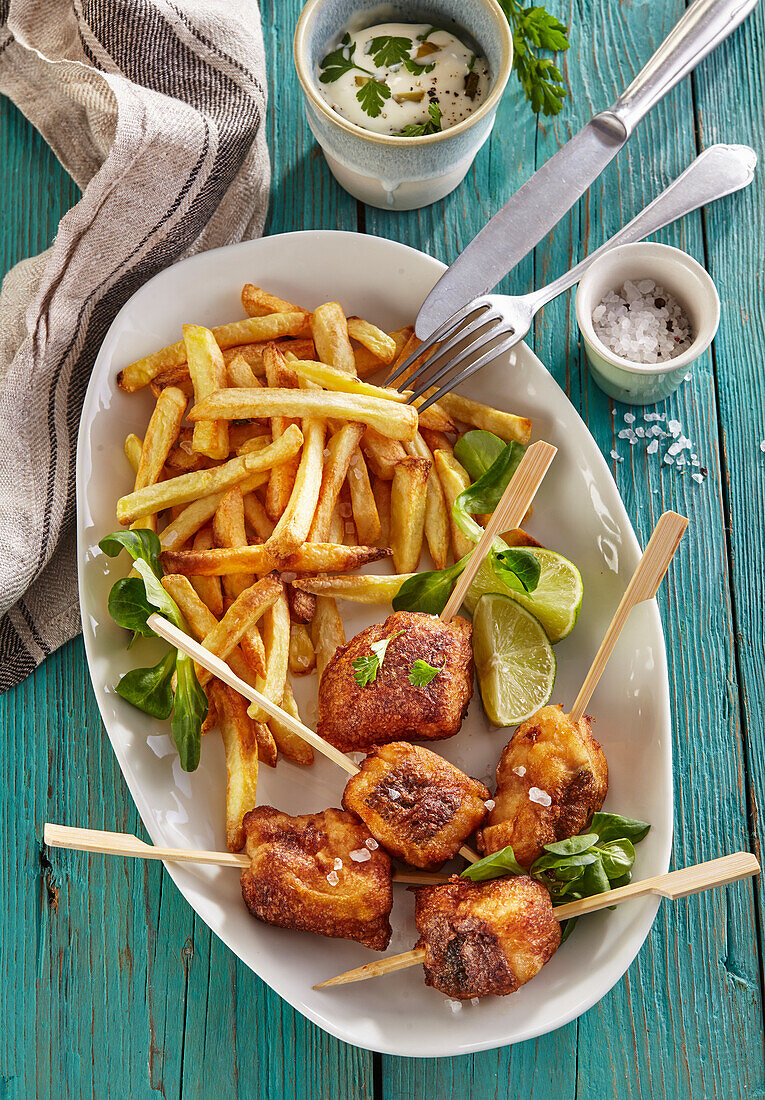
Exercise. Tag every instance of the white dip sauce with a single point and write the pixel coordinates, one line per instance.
(405, 79)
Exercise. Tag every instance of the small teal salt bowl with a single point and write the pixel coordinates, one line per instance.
(396, 173)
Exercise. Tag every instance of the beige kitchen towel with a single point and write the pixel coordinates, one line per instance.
(157, 111)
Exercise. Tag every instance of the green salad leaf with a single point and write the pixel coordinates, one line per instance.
(150, 689)
(497, 865)
(516, 568)
(429, 592)
(477, 451)
(189, 713)
(129, 607)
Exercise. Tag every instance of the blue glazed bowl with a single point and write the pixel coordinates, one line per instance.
(398, 173)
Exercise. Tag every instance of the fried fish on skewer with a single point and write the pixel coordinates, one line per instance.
(322, 873)
(418, 805)
(357, 716)
(551, 778)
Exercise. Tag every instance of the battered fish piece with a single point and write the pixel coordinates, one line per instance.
(390, 708)
(549, 758)
(418, 805)
(481, 938)
(287, 881)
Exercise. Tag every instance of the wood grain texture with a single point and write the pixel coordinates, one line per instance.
(109, 983)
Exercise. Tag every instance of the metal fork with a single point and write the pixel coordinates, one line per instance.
(491, 325)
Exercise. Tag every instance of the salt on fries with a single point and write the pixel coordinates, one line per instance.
(271, 468)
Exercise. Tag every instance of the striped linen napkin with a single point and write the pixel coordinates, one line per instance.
(157, 110)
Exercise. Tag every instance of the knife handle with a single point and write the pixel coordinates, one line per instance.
(719, 171)
(704, 26)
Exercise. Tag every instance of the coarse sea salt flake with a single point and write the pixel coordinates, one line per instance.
(653, 447)
(520, 770)
(490, 804)
(616, 456)
(332, 878)
(361, 855)
(542, 798)
(762, 446)
(475, 1000)
(338, 863)
(674, 428)
(697, 477)
(371, 843)
(629, 418)
(455, 1006)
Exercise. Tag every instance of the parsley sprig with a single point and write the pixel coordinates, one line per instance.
(534, 29)
(365, 668)
(421, 673)
(431, 126)
(372, 93)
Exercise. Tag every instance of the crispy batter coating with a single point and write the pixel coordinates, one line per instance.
(548, 755)
(354, 718)
(418, 805)
(286, 883)
(487, 937)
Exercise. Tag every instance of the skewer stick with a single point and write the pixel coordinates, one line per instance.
(220, 669)
(509, 513)
(126, 844)
(643, 586)
(676, 884)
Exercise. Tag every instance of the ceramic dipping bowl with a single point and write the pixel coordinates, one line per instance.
(396, 173)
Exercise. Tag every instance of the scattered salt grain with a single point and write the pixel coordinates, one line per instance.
(475, 1000)
(288, 578)
(542, 798)
(186, 446)
(490, 804)
(338, 863)
(520, 770)
(629, 418)
(697, 477)
(371, 843)
(675, 449)
(332, 878)
(393, 794)
(762, 445)
(674, 427)
(326, 452)
(455, 1006)
(668, 460)
(616, 456)
(643, 323)
(361, 855)
(653, 447)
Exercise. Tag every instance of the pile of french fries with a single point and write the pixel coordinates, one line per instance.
(271, 470)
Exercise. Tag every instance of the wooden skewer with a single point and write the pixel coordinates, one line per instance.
(126, 844)
(509, 513)
(676, 884)
(219, 668)
(643, 586)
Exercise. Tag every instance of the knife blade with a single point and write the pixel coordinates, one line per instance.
(541, 202)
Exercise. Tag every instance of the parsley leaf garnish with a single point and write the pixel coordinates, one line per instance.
(389, 49)
(340, 61)
(365, 668)
(421, 673)
(535, 29)
(432, 126)
(418, 69)
(371, 95)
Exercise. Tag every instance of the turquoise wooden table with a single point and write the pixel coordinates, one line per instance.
(111, 986)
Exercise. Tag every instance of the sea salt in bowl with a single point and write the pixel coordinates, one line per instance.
(390, 172)
(681, 277)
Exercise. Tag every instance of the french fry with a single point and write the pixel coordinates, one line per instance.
(436, 516)
(257, 517)
(202, 621)
(208, 374)
(229, 530)
(292, 529)
(367, 363)
(337, 526)
(327, 631)
(392, 419)
(181, 458)
(302, 653)
(365, 515)
(241, 374)
(241, 751)
(436, 441)
(161, 433)
(282, 479)
(302, 605)
(519, 537)
(250, 331)
(381, 490)
(408, 503)
(276, 638)
(341, 449)
(381, 453)
(175, 376)
(374, 339)
(504, 424)
(330, 378)
(434, 418)
(292, 746)
(209, 589)
(345, 511)
(329, 329)
(454, 479)
(258, 302)
(133, 448)
(313, 557)
(240, 618)
(211, 718)
(371, 588)
(199, 483)
(196, 514)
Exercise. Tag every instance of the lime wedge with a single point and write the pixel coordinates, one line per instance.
(514, 660)
(555, 601)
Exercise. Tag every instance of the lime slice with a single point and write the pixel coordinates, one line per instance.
(555, 601)
(514, 660)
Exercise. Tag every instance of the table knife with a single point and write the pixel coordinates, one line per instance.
(541, 202)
